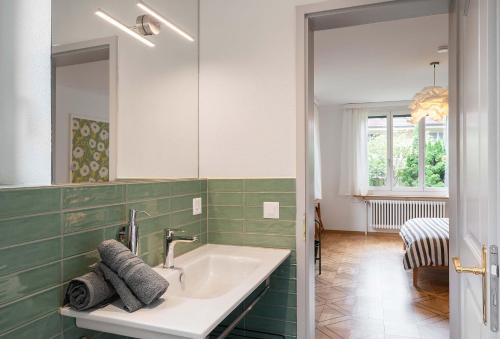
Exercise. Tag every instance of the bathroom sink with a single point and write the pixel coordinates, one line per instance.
(209, 276)
(206, 286)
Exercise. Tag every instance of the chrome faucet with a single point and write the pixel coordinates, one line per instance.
(169, 243)
(133, 231)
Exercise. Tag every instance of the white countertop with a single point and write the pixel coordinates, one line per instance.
(217, 279)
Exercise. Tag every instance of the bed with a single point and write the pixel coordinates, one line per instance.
(426, 243)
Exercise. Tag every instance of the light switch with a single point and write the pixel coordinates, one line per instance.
(271, 210)
(196, 206)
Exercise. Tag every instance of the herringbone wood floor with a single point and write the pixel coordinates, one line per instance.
(364, 292)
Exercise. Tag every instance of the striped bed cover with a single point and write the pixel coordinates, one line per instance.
(426, 242)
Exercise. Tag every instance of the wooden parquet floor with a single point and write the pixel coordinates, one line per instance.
(364, 292)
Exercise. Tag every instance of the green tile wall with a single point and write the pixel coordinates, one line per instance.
(49, 236)
(235, 218)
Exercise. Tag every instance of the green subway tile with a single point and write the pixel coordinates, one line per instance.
(203, 185)
(256, 213)
(148, 191)
(286, 271)
(223, 225)
(79, 333)
(283, 284)
(225, 185)
(79, 265)
(274, 241)
(15, 231)
(153, 225)
(270, 185)
(182, 218)
(226, 238)
(113, 232)
(80, 197)
(153, 259)
(22, 257)
(186, 187)
(82, 242)
(271, 226)
(270, 325)
(275, 312)
(23, 202)
(15, 286)
(257, 199)
(204, 199)
(152, 243)
(25, 310)
(191, 229)
(184, 202)
(225, 198)
(277, 298)
(225, 212)
(153, 207)
(68, 322)
(93, 217)
(46, 327)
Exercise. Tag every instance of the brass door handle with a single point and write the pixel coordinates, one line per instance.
(476, 271)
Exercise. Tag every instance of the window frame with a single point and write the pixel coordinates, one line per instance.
(390, 187)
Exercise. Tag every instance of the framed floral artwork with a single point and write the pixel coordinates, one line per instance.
(89, 150)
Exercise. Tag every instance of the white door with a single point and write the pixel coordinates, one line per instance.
(477, 157)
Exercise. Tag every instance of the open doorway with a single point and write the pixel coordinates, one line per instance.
(384, 179)
(368, 198)
(84, 93)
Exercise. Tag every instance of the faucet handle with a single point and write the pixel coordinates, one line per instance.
(145, 212)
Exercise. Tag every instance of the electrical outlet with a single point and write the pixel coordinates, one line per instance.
(271, 210)
(196, 206)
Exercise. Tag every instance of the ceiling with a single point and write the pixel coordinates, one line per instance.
(385, 61)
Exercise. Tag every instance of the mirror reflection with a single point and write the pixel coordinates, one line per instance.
(112, 92)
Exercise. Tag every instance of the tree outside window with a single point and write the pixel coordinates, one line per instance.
(406, 157)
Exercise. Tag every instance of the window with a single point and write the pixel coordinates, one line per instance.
(406, 157)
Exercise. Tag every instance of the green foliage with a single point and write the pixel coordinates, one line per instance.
(407, 175)
(435, 163)
(377, 159)
(406, 160)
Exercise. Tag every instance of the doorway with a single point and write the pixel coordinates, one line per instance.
(326, 17)
(84, 91)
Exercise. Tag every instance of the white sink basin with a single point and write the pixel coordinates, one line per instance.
(215, 280)
(210, 276)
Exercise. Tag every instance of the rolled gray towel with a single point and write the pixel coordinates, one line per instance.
(88, 291)
(128, 298)
(146, 284)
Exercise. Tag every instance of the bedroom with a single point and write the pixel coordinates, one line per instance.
(383, 192)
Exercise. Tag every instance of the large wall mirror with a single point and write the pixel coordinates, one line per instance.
(99, 90)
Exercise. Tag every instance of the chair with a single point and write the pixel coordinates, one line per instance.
(318, 229)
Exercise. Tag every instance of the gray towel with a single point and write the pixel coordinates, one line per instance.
(146, 284)
(128, 298)
(88, 291)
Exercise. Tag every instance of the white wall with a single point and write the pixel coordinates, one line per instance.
(81, 90)
(157, 87)
(338, 212)
(25, 92)
(247, 88)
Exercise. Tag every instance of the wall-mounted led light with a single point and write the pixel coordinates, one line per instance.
(162, 19)
(103, 15)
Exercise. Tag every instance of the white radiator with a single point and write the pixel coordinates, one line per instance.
(392, 214)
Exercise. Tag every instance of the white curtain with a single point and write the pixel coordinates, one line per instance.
(354, 155)
(317, 156)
